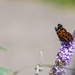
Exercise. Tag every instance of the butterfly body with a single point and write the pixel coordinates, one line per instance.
(63, 35)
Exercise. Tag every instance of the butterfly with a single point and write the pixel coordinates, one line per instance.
(63, 35)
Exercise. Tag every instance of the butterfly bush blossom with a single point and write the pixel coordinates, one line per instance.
(63, 58)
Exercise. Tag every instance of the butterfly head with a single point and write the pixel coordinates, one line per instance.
(58, 28)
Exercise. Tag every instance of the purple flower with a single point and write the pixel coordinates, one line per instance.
(64, 56)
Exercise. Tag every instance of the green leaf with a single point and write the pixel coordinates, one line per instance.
(4, 71)
(2, 48)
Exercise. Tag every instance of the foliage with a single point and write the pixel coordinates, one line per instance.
(2, 48)
(4, 71)
(61, 3)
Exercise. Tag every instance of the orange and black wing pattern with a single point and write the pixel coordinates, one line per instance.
(63, 35)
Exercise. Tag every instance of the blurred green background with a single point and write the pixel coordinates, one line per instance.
(61, 3)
